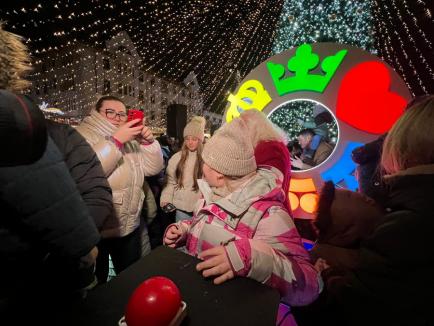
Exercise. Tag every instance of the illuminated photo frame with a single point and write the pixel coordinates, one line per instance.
(364, 93)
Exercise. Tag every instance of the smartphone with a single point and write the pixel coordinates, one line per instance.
(168, 208)
(135, 114)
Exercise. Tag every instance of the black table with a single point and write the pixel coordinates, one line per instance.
(240, 301)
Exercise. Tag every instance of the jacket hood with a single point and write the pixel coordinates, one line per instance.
(14, 61)
(23, 132)
(266, 185)
(369, 153)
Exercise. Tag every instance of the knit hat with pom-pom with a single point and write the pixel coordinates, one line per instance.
(230, 151)
(196, 128)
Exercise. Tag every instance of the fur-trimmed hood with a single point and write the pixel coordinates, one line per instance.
(416, 170)
(14, 62)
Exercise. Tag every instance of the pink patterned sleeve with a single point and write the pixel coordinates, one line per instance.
(275, 256)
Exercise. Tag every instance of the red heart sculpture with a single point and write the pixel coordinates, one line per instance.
(364, 100)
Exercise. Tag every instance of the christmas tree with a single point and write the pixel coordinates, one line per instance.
(298, 115)
(311, 21)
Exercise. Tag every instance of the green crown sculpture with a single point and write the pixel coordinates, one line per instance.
(300, 64)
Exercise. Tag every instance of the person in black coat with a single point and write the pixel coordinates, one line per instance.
(42, 213)
(393, 283)
(43, 219)
(86, 170)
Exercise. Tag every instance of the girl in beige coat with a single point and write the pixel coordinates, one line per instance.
(128, 153)
(183, 170)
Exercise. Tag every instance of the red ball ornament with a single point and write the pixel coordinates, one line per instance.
(155, 302)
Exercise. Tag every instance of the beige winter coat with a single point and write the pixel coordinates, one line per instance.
(184, 198)
(125, 171)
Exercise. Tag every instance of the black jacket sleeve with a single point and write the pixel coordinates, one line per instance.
(86, 170)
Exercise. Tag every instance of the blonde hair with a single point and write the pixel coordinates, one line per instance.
(410, 142)
(14, 61)
(260, 128)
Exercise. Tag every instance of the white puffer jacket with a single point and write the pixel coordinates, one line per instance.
(184, 198)
(125, 172)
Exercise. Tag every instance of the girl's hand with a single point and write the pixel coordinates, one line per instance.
(171, 236)
(216, 264)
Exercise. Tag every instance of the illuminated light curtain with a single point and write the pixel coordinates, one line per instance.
(220, 41)
(310, 21)
(404, 37)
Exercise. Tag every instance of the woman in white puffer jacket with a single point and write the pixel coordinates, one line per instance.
(127, 153)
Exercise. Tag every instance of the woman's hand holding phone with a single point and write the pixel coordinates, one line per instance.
(146, 136)
(128, 132)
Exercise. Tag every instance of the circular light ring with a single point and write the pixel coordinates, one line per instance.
(334, 117)
(363, 93)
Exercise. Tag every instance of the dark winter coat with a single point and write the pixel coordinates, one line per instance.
(394, 283)
(42, 215)
(86, 170)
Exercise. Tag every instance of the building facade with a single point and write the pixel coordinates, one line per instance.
(76, 77)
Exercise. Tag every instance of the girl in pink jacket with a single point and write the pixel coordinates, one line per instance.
(241, 226)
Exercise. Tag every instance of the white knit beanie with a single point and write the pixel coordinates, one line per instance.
(196, 128)
(230, 151)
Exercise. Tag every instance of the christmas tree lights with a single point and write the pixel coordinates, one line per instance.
(310, 21)
(294, 116)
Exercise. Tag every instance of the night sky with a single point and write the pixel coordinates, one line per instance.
(221, 41)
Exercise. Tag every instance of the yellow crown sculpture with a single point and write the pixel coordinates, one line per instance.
(251, 95)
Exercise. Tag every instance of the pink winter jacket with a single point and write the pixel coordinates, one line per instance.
(259, 236)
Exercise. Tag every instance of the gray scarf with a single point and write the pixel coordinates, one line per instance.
(97, 122)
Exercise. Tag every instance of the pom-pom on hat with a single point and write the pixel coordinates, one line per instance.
(230, 151)
(196, 128)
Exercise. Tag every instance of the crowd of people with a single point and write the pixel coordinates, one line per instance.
(73, 197)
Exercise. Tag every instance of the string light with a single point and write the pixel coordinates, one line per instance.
(215, 40)
(220, 41)
(310, 21)
(406, 58)
(407, 48)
